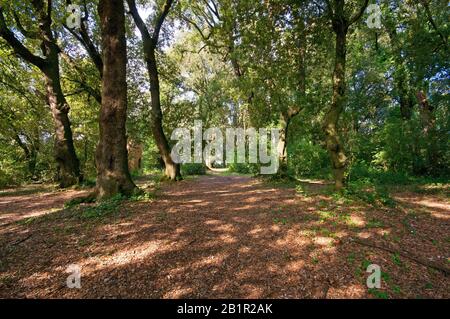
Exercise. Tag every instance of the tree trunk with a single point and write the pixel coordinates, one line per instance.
(285, 120)
(30, 154)
(68, 165)
(282, 142)
(333, 143)
(400, 75)
(172, 169)
(294, 110)
(64, 152)
(429, 129)
(340, 23)
(113, 176)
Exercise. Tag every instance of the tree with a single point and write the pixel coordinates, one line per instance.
(113, 176)
(64, 150)
(150, 44)
(87, 41)
(340, 23)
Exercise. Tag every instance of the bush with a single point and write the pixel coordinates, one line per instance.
(307, 159)
(366, 191)
(193, 169)
(244, 168)
(362, 171)
(12, 172)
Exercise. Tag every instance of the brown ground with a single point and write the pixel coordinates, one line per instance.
(223, 237)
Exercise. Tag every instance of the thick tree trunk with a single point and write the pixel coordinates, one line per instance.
(113, 176)
(68, 165)
(333, 143)
(66, 158)
(172, 169)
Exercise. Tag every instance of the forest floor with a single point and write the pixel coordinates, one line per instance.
(225, 236)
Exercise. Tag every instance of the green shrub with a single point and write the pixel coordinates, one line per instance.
(12, 172)
(307, 159)
(143, 197)
(193, 169)
(244, 168)
(363, 171)
(103, 208)
(365, 190)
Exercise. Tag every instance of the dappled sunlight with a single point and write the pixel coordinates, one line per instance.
(256, 243)
(224, 228)
(356, 221)
(365, 234)
(323, 241)
(437, 207)
(352, 291)
(16, 208)
(212, 260)
(177, 292)
(124, 257)
(213, 222)
(295, 265)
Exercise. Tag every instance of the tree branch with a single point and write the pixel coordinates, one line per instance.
(25, 33)
(86, 41)
(160, 20)
(17, 46)
(139, 22)
(357, 16)
(433, 23)
(329, 9)
(205, 38)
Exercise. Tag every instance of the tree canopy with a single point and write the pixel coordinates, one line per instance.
(351, 100)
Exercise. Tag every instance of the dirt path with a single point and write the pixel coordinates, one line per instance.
(222, 237)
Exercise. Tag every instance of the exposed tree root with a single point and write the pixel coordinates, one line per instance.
(405, 254)
(21, 240)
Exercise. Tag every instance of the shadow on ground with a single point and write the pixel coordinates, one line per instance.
(231, 237)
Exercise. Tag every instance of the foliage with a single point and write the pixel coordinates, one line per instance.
(104, 208)
(233, 68)
(193, 169)
(244, 168)
(307, 159)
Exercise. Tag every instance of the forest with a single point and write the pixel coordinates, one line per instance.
(346, 196)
